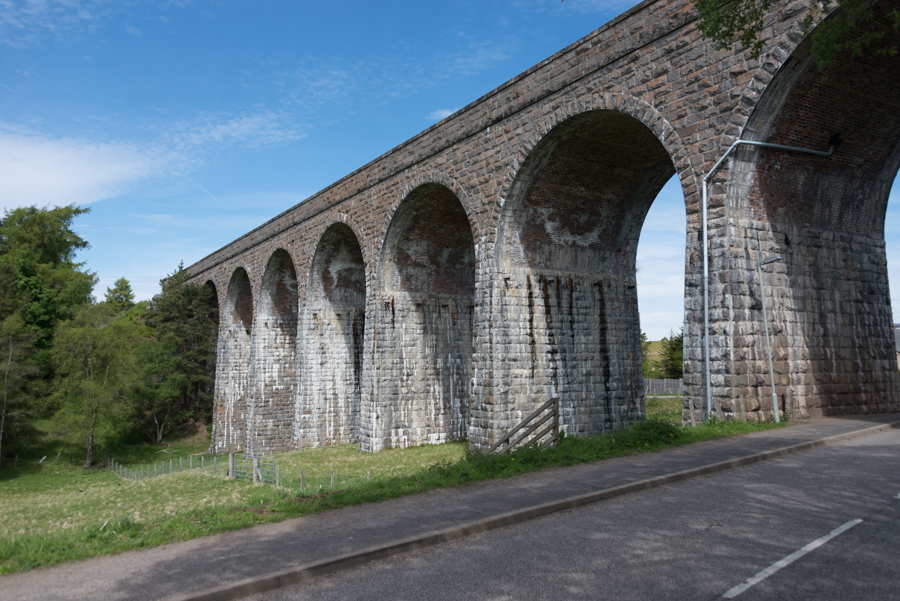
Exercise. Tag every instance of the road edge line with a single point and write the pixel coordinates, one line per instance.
(269, 582)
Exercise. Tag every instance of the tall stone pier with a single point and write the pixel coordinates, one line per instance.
(454, 284)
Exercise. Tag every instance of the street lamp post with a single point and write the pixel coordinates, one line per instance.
(762, 292)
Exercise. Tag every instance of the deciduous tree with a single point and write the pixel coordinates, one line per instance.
(92, 355)
(850, 27)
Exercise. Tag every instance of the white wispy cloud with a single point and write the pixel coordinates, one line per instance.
(25, 22)
(39, 169)
(319, 81)
(438, 114)
(254, 131)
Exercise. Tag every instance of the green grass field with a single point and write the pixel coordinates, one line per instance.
(57, 513)
(665, 407)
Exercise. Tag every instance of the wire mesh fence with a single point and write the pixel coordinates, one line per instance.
(660, 387)
(300, 480)
(204, 464)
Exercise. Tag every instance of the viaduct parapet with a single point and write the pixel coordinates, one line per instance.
(455, 283)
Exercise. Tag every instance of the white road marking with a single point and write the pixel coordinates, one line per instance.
(731, 594)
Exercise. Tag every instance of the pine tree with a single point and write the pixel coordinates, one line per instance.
(120, 297)
(671, 361)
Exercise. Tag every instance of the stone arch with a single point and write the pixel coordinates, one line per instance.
(315, 237)
(828, 299)
(564, 319)
(422, 335)
(273, 368)
(432, 178)
(640, 110)
(233, 365)
(331, 342)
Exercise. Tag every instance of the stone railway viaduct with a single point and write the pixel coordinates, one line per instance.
(450, 286)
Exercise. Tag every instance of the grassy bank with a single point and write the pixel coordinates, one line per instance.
(62, 513)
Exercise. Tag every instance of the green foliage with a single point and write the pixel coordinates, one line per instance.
(16, 346)
(120, 297)
(39, 274)
(646, 365)
(184, 319)
(671, 361)
(92, 355)
(160, 383)
(41, 284)
(742, 22)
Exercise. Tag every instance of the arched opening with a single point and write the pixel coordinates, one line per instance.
(422, 347)
(233, 366)
(565, 317)
(331, 342)
(274, 358)
(661, 290)
(828, 297)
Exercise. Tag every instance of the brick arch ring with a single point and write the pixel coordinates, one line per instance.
(621, 103)
(420, 179)
(228, 272)
(331, 219)
(763, 76)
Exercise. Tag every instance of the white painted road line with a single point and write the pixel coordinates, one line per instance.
(731, 594)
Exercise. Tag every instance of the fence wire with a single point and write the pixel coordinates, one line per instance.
(204, 464)
(660, 387)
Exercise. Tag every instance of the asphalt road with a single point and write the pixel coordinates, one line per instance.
(694, 540)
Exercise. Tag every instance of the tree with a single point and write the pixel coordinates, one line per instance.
(671, 361)
(188, 312)
(92, 355)
(41, 284)
(646, 364)
(161, 381)
(16, 345)
(120, 297)
(851, 27)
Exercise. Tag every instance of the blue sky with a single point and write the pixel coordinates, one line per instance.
(183, 124)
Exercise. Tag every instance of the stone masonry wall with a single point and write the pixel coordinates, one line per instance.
(233, 366)
(829, 298)
(423, 365)
(273, 368)
(651, 66)
(331, 344)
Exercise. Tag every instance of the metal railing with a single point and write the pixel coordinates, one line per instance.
(253, 469)
(540, 416)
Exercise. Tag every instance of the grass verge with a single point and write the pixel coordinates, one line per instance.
(61, 513)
